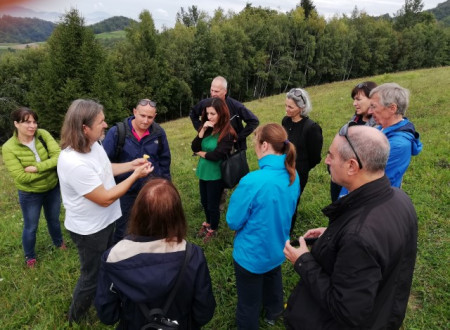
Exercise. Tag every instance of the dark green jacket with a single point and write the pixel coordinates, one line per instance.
(17, 156)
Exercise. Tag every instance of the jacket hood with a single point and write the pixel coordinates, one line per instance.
(140, 277)
(407, 129)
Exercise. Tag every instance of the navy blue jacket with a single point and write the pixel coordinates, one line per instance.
(144, 270)
(238, 113)
(133, 149)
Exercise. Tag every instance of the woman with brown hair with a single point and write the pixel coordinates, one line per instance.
(30, 156)
(213, 143)
(260, 212)
(143, 267)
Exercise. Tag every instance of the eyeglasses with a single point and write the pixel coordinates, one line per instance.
(144, 102)
(298, 93)
(344, 132)
(361, 85)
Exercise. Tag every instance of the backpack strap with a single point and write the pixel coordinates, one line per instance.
(149, 314)
(121, 133)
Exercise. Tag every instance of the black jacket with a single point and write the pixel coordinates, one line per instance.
(359, 272)
(238, 113)
(142, 270)
(306, 135)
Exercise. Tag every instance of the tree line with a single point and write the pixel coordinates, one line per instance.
(260, 51)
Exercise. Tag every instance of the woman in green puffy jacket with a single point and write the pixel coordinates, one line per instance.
(30, 156)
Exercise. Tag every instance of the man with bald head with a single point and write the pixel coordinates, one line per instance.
(358, 273)
(238, 112)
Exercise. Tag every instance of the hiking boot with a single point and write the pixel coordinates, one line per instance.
(31, 262)
(209, 235)
(203, 229)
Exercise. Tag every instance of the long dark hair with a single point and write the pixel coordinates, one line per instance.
(223, 126)
(276, 135)
(158, 212)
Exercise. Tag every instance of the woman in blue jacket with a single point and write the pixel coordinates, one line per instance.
(260, 211)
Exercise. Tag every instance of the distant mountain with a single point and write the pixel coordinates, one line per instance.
(115, 23)
(442, 12)
(19, 11)
(24, 30)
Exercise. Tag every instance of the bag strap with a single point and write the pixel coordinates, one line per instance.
(157, 311)
(120, 139)
(40, 138)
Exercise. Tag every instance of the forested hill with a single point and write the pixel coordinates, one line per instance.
(115, 23)
(442, 12)
(24, 30)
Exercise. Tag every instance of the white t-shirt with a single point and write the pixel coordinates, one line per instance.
(79, 174)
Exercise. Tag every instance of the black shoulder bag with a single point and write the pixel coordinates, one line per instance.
(157, 316)
(233, 168)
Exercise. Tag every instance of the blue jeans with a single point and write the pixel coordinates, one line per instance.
(90, 250)
(31, 205)
(254, 290)
(210, 193)
(126, 204)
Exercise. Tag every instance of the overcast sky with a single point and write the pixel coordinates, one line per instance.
(164, 11)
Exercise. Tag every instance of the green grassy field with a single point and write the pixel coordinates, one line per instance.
(111, 35)
(39, 298)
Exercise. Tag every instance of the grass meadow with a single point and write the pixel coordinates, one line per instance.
(39, 298)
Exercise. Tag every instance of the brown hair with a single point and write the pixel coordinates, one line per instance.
(81, 112)
(158, 212)
(223, 126)
(364, 87)
(21, 115)
(276, 135)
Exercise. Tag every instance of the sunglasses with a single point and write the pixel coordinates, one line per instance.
(297, 92)
(361, 85)
(144, 102)
(344, 132)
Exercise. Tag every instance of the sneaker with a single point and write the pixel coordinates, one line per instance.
(209, 235)
(269, 322)
(31, 262)
(203, 230)
(62, 246)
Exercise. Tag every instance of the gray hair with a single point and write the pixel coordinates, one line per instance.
(301, 99)
(392, 93)
(371, 145)
(222, 80)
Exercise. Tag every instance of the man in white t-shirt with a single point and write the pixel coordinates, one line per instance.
(89, 194)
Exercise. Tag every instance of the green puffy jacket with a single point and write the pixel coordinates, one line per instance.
(17, 156)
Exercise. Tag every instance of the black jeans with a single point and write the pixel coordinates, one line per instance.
(210, 193)
(254, 290)
(90, 249)
(126, 204)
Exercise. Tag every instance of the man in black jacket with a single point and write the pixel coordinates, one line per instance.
(359, 272)
(238, 112)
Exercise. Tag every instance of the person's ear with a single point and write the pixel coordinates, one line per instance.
(393, 108)
(353, 166)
